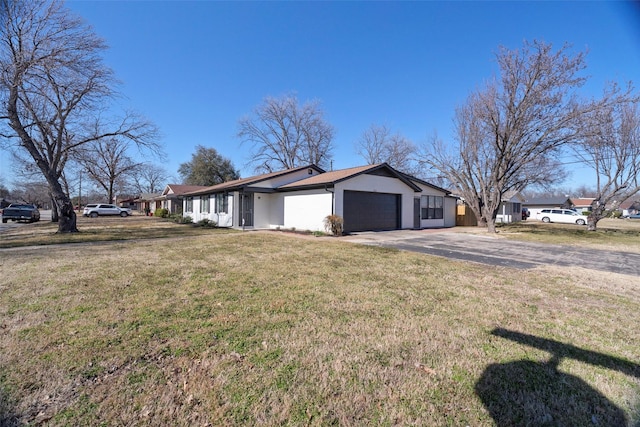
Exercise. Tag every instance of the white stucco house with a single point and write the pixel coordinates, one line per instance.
(510, 208)
(372, 197)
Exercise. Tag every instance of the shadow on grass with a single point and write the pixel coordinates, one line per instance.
(8, 418)
(533, 393)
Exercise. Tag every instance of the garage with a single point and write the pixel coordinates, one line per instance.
(366, 211)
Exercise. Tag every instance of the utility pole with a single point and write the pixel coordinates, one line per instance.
(80, 193)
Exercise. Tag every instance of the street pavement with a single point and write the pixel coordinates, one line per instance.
(497, 251)
(45, 215)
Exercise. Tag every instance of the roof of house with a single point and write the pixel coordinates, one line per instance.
(319, 180)
(632, 203)
(244, 182)
(548, 201)
(179, 189)
(582, 202)
(147, 196)
(509, 196)
(334, 177)
(428, 184)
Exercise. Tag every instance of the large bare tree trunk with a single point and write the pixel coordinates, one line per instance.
(67, 220)
(597, 212)
(55, 213)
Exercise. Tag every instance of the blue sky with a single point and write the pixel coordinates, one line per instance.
(196, 68)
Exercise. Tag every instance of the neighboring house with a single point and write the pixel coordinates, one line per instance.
(629, 207)
(536, 204)
(130, 203)
(147, 202)
(510, 208)
(583, 204)
(171, 197)
(372, 197)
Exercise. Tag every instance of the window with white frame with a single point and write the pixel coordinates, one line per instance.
(432, 207)
(204, 204)
(188, 204)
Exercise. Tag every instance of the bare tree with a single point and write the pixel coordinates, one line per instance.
(284, 134)
(107, 164)
(149, 178)
(33, 192)
(378, 145)
(372, 144)
(612, 150)
(509, 133)
(54, 87)
(5, 193)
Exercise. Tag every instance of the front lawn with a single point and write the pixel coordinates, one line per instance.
(101, 229)
(273, 329)
(612, 234)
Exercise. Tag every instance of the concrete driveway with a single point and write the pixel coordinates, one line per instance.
(497, 251)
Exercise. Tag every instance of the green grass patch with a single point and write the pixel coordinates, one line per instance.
(102, 229)
(611, 233)
(275, 329)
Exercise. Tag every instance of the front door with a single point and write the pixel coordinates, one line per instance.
(246, 209)
(416, 213)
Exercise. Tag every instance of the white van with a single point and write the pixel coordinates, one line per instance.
(561, 215)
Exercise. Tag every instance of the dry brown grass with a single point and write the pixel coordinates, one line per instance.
(271, 329)
(99, 229)
(612, 234)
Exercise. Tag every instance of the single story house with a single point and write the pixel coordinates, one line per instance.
(583, 204)
(372, 197)
(171, 197)
(127, 202)
(630, 207)
(511, 208)
(536, 204)
(146, 202)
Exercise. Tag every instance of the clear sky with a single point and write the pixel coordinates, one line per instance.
(195, 68)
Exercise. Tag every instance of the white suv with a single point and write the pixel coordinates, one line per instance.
(561, 215)
(99, 209)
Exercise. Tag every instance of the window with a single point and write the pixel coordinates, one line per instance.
(221, 203)
(189, 203)
(431, 207)
(204, 204)
(517, 208)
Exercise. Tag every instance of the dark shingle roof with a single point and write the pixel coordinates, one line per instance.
(243, 182)
(334, 177)
(548, 201)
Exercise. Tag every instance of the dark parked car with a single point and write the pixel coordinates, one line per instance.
(16, 212)
(525, 213)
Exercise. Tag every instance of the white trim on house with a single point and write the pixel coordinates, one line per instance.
(302, 198)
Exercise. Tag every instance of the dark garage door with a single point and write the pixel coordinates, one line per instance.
(365, 211)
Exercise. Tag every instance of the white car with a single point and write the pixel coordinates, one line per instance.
(561, 215)
(95, 210)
